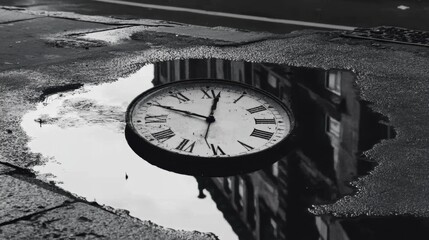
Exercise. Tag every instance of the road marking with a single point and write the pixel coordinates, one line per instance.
(230, 15)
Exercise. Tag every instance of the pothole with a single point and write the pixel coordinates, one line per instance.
(80, 134)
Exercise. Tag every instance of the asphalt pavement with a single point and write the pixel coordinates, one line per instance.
(42, 49)
(274, 15)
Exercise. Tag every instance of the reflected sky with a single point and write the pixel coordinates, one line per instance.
(80, 135)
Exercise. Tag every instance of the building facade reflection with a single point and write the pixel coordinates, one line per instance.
(333, 129)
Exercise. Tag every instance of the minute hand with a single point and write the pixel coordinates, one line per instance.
(181, 111)
(210, 119)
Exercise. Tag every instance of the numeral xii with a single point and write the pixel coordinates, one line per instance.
(207, 93)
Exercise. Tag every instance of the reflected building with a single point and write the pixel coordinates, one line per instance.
(333, 129)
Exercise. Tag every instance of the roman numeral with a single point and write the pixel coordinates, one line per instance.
(242, 95)
(183, 146)
(207, 94)
(155, 118)
(163, 135)
(261, 134)
(265, 121)
(217, 149)
(247, 147)
(256, 109)
(180, 97)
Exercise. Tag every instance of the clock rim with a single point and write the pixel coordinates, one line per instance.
(207, 166)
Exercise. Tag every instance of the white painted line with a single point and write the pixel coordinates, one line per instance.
(229, 15)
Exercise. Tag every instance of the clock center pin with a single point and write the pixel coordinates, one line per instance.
(210, 119)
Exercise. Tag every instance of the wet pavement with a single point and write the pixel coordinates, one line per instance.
(271, 204)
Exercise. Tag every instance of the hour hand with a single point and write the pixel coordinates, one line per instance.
(181, 111)
(211, 118)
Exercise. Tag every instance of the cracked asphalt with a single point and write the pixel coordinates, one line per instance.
(51, 50)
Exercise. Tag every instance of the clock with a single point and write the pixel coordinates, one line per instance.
(208, 127)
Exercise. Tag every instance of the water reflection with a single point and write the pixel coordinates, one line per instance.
(82, 141)
(92, 159)
(334, 128)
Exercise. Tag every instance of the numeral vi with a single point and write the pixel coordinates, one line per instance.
(183, 146)
(217, 150)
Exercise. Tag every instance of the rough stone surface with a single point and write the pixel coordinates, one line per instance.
(19, 198)
(83, 221)
(10, 16)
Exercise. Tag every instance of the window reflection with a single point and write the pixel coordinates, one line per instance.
(333, 81)
(334, 127)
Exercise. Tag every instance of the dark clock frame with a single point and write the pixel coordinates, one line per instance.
(207, 166)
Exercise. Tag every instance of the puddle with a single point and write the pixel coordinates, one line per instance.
(82, 140)
(81, 136)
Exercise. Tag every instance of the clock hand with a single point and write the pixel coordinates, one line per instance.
(210, 119)
(214, 105)
(207, 133)
(182, 111)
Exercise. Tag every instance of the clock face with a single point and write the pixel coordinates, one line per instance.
(209, 118)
